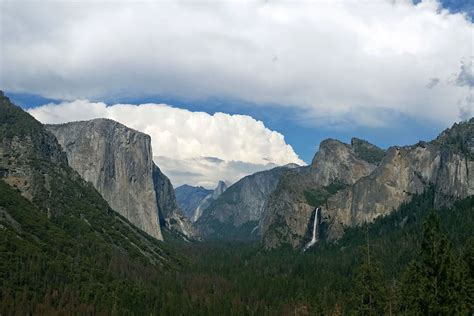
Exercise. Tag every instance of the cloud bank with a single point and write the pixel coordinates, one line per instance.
(337, 62)
(207, 171)
(191, 147)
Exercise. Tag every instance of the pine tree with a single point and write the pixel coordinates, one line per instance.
(436, 283)
(469, 260)
(370, 295)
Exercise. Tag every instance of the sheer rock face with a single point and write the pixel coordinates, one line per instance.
(33, 163)
(118, 162)
(368, 186)
(288, 212)
(242, 203)
(404, 172)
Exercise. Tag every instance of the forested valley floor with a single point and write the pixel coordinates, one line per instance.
(415, 261)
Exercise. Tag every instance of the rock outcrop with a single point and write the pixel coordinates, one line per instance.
(356, 184)
(337, 162)
(29, 155)
(118, 162)
(404, 172)
(290, 207)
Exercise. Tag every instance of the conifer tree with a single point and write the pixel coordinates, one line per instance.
(435, 284)
(370, 295)
(469, 259)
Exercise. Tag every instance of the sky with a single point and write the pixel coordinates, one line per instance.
(226, 89)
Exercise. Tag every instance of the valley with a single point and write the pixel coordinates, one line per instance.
(91, 225)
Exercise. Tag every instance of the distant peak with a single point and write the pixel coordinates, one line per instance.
(221, 187)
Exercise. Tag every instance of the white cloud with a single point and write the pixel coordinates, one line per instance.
(207, 171)
(181, 139)
(331, 59)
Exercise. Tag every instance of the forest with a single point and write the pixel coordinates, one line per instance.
(414, 261)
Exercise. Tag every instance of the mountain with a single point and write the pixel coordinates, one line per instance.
(357, 185)
(289, 209)
(194, 200)
(189, 197)
(221, 187)
(118, 161)
(214, 195)
(236, 213)
(63, 248)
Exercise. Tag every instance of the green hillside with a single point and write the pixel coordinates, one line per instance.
(63, 247)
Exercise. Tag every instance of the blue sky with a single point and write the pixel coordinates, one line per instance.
(465, 6)
(390, 72)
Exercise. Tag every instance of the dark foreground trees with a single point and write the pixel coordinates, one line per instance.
(56, 277)
(370, 291)
(437, 283)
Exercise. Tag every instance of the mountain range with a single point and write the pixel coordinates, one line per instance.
(351, 183)
(85, 209)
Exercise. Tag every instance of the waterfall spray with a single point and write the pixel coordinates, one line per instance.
(314, 238)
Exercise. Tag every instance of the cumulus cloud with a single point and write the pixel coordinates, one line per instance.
(328, 58)
(191, 147)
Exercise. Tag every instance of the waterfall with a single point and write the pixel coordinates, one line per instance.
(314, 238)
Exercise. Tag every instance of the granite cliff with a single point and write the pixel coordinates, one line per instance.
(62, 215)
(289, 209)
(118, 162)
(357, 184)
